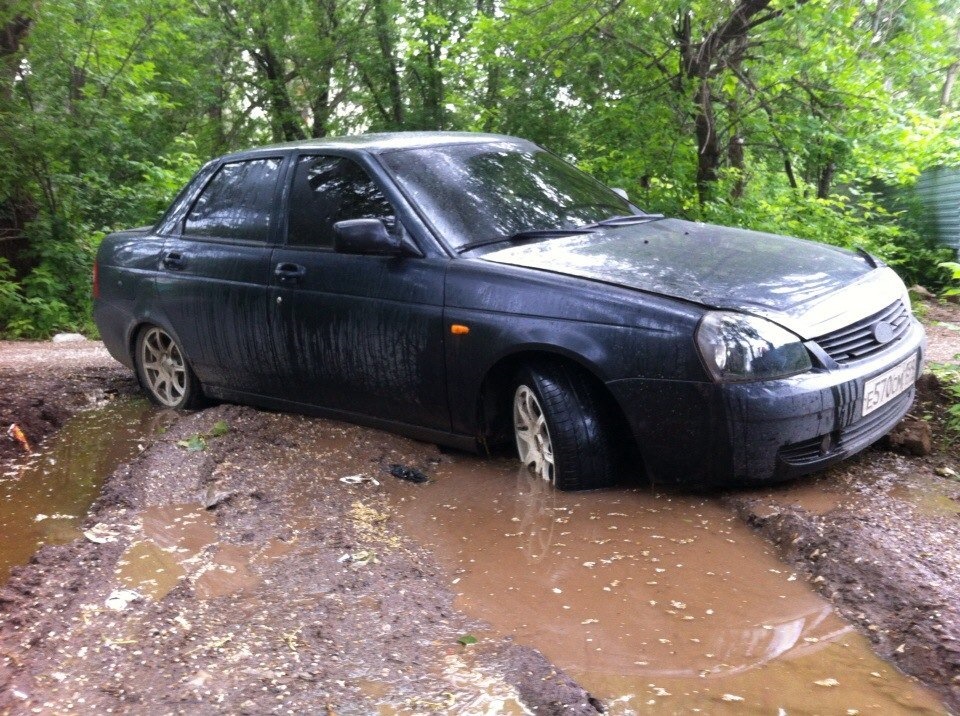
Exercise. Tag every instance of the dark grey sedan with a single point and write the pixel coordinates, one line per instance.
(475, 290)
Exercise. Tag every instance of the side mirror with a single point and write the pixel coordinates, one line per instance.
(365, 236)
(622, 193)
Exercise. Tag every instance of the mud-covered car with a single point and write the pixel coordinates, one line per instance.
(475, 290)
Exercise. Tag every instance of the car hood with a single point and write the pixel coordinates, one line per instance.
(808, 287)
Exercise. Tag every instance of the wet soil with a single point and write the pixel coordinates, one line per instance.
(653, 602)
(46, 496)
(879, 536)
(248, 577)
(942, 321)
(293, 592)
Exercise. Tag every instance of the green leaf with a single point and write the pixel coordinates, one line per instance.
(219, 429)
(467, 640)
(195, 443)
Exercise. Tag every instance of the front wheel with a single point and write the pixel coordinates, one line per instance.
(562, 428)
(163, 371)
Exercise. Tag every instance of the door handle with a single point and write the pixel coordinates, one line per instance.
(174, 261)
(288, 273)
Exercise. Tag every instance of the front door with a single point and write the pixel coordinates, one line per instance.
(362, 334)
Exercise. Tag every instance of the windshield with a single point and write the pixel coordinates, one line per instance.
(479, 192)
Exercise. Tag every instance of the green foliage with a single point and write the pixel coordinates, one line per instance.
(219, 429)
(107, 108)
(949, 376)
(840, 220)
(953, 269)
(195, 443)
(55, 295)
(198, 441)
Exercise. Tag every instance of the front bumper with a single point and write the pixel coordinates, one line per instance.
(701, 433)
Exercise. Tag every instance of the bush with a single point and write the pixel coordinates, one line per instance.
(56, 294)
(949, 376)
(840, 221)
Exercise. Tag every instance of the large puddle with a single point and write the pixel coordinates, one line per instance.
(44, 496)
(653, 603)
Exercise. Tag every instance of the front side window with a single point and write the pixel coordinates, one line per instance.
(327, 190)
(237, 203)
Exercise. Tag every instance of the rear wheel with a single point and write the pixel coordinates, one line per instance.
(562, 429)
(163, 371)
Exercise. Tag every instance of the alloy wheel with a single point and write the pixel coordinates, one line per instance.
(164, 369)
(533, 436)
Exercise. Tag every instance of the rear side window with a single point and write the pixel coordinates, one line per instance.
(327, 190)
(237, 203)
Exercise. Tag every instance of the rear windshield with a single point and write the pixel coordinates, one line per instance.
(478, 192)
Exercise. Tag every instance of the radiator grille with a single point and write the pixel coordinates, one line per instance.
(859, 340)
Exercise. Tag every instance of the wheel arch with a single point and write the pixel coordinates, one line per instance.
(193, 396)
(493, 400)
(136, 328)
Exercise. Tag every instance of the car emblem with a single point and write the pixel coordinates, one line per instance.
(883, 332)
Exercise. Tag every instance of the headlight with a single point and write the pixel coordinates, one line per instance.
(735, 346)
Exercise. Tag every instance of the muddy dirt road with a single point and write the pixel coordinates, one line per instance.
(290, 593)
(227, 567)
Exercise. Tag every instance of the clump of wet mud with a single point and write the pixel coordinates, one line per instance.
(292, 592)
(886, 552)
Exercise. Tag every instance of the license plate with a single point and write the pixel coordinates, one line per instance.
(879, 391)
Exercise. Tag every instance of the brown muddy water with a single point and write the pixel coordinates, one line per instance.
(44, 496)
(175, 537)
(654, 603)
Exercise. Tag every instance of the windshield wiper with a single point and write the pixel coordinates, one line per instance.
(523, 235)
(627, 219)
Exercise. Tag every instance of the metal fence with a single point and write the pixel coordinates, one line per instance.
(939, 191)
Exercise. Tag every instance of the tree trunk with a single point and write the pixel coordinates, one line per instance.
(328, 30)
(491, 98)
(491, 95)
(12, 36)
(721, 48)
(825, 180)
(322, 108)
(385, 42)
(788, 170)
(737, 160)
(216, 116)
(708, 149)
(948, 83)
(286, 118)
(433, 89)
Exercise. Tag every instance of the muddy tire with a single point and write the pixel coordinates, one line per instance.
(163, 371)
(562, 429)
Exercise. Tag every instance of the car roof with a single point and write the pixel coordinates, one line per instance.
(388, 141)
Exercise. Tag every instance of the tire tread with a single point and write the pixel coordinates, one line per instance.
(584, 453)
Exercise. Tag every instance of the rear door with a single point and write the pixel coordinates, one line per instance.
(362, 334)
(214, 278)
